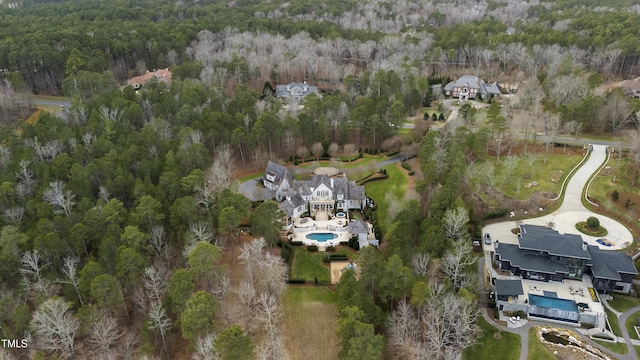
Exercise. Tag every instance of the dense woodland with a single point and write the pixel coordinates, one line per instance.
(117, 212)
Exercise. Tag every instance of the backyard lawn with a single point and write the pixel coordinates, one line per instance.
(536, 349)
(308, 265)
(310, 317)
(507, 347)
(515, 185)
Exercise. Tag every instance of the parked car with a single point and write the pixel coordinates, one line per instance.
(487, 239)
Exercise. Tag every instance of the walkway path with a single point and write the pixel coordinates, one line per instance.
(565, 217)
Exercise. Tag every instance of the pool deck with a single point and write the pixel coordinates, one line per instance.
(339, 226)
(568, 290)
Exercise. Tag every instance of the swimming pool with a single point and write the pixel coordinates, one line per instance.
(321, 237)
(553, 308)
(341, 215)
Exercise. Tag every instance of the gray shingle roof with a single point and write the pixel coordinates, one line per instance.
(474, 82)
(509, 287)
(528, 261)
(540, 238)
(358, 227)
(278, 171)
(606, 264)
(296, 89)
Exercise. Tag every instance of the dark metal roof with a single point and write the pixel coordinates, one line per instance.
(606, 264)
(509, 287)
(540, 238)
(528, 261)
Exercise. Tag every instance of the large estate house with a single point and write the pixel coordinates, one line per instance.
(543, 254)
(471, 87)
(320, 193)
(163, 75)
(295, 91)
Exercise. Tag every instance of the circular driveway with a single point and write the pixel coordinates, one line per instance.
(570, 212)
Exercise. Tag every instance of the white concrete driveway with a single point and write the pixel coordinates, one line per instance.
(571, 212)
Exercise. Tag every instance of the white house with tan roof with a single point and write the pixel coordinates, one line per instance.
(163, 75)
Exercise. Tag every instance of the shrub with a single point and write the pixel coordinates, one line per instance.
(405, 165)
(426, 116)
(412, 172)
(296, 243)
(290, 157)
(441, 117)
(312, 248)
(296, 281)
(434, 117)
(593, 222)
(331, 249)
(495, 213)
(614, 195)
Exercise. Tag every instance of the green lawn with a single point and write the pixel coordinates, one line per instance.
(602, 185)
(395, 185)
(536, 349)
(488, 347)
(618, 348)
(310, 318)
(522, 174)
(366, 161)
(623, 303)
(613, 320)
(631, 322)
(308, 265)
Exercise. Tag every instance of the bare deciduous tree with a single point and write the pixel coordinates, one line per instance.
(55, 327)
(14, 215)
(350, 150)
(70, 270)
(440, 329)
(510, 162)
(289, 141)
(220, 174)
(455, 222)
(155, 282)
(158, 320)
(333, 149)
(302, 152)
(61, 200)
(455, 264)
(104, 334)
(420, 263)
(204, 349)
(317, 150)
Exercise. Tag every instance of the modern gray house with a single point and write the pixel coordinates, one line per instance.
(543, 254)
(471, 87)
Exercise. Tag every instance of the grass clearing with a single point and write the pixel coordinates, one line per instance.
(515, 185)
(308, 265)
(310, 320)
(537, 351)
(489, 346)
(384, 191)
(623, 303)
(618, 348)
(613, 321)
(631, 322)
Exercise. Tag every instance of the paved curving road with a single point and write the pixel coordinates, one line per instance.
(571, 211)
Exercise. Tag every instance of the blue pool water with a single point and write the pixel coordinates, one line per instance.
(321, 237)
(341, 215)
(553, 303)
